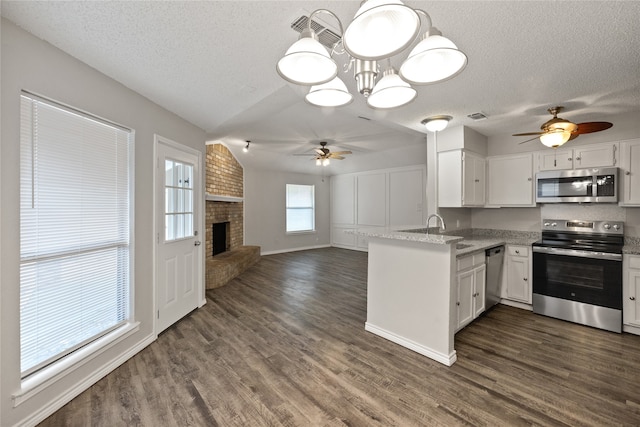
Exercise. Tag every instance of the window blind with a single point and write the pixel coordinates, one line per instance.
(74, 230)
(300, 208)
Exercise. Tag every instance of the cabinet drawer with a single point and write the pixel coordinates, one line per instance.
(470, 261)
(518, 250)
(634, 262)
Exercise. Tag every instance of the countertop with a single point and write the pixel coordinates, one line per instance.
(477, 239)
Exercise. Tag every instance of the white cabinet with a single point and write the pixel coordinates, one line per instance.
(599, 155)
(590, 156)
(555, 160)
(461, 179)
(510, 180)
(630, 173)
(517, 286)
(470, 289)
(631, 293)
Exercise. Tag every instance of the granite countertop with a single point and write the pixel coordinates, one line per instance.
(469, 240)
(631, 245)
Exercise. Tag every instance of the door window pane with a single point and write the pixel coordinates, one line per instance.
(178, 200)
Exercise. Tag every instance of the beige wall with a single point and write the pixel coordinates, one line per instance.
(32, 64)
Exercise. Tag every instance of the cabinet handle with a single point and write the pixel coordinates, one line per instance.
(632, 298)
(477, 180)
(578, 158)
(529, 179)
(569, 159)
(525, 279)
(518, 252)
(627, 173)
(458, 303)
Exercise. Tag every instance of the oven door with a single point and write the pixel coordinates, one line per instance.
(589, 277)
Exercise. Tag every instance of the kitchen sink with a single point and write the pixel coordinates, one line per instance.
(462, 246)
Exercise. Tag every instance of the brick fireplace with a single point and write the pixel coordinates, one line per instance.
(224, 187)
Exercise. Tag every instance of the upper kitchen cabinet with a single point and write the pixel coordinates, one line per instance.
(461, 179)
(510, 180)
(630, 172)
(590, 156)
(461, 167)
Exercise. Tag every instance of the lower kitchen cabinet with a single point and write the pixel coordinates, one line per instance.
(471, 284)
(631, 294)
(517, 286)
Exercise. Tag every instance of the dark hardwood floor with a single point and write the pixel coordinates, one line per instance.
(284, 345)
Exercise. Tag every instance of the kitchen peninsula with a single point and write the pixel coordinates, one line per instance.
(412, 286)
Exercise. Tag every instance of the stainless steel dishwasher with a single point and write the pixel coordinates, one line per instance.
(495, 258)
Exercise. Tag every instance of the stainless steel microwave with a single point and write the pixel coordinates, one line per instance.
(596, 185)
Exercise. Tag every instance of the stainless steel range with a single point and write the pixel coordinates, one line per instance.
(577, 272)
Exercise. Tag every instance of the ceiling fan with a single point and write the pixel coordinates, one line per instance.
(323, 154)
(557, 131)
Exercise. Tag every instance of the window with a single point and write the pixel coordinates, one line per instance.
(178, 210)
(300, 208)
(74, 230)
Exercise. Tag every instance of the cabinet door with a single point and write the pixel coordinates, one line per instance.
(511, 180)
(631, 307)
(555, 160)
(630, 173)
(518, 287)
(465, 298)
(473, 189)
(479, 291)
(597, 156)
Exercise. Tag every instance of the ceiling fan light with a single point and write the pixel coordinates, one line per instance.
(555, 139)
(434, 59)
(331, 94)
(318, 162)
(391, 92)
(436, 123)
(325, 162)
(307, 62)
(381, 28)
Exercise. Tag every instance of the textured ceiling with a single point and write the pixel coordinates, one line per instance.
(213, 63)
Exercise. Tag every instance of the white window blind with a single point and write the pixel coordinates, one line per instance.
(74, 230)
(300, 208)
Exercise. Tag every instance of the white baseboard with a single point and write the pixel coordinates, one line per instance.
(78, 388)
(631, 329)
(445, 359)
(304, 248)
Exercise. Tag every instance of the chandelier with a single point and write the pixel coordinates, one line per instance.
(380, 30)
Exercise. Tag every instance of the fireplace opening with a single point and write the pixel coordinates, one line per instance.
(220, 237)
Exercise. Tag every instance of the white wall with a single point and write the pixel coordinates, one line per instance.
(265, 211)
(32, 64)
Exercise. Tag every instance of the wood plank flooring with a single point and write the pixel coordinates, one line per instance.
(284, 345)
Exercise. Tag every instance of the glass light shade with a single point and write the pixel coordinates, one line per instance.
(318, 162)
(434, 59)
(555, 139)
(330, 94)
(325, 162)
(381, 28)
(391, 92)
(437, 123)
(307, 62)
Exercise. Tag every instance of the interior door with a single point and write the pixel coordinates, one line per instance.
(178, 254)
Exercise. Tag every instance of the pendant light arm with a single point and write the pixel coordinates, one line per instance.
(328, 12)
(427, 19)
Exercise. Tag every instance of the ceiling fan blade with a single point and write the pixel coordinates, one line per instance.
(342, 152)
(332, 156)
(319, 151)
(527, 134)
(528, 140)
(590, 127)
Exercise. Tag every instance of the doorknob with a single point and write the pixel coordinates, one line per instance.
(197, 243)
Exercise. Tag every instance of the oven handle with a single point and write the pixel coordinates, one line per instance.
(574, 252)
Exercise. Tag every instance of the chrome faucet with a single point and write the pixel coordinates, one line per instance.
(442, 226)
